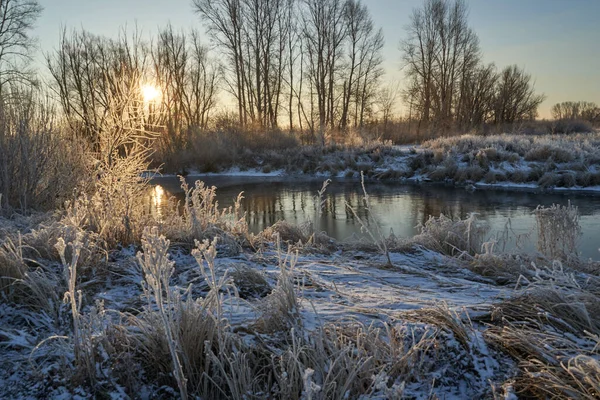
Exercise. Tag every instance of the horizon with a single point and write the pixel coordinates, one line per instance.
(551, 39)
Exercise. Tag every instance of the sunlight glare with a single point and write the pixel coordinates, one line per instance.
(150, 93)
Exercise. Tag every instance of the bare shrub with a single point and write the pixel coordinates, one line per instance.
(568, 179)
(473, 173)
(546, 152)
(421, 160)
(569, 126)
(518, 176)
(227, 144)
(39, 165)
(548, 180)
(494, 177)
(558, 231)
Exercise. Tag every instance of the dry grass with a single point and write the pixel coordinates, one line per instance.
(443, 316)
(369, 223)
(183, 344)
(552, 160)
(201, 218)
(551, 328)
(453, 237)
(558, 231)
(250, 283)
(280, 309)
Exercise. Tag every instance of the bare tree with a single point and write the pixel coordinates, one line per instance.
(17, 19)
(323, 34)
(516, 99)
(370, 72)
(204, 77)
(265, 46)
(363, 68)
(224, 19)
(440, 52)
(254, 35)
(95, 76)
(187, 77)
(419, 50)
(387, 98)
(477, 97)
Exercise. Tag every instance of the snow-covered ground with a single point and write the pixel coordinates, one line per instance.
(437, 305)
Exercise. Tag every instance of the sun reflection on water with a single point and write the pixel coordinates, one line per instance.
(157, 202)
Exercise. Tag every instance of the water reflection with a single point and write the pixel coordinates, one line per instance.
(158, 193)
(398, 207)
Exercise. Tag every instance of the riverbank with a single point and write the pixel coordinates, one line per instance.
(292, 313)
(507, 162)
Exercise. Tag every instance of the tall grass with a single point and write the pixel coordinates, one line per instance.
(561, 148)
(558, 231)
(551, 329)
(157, 272)
(453, 237)
(200, 217)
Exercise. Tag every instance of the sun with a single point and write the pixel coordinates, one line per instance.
(150, 93)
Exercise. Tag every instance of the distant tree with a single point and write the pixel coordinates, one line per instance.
(584, 110)
(187, 77)
(224, 19)
(254, 37)
(17, 19)
(477, 97)
(387, 98)
(516, 99)
(98, 80)
(323, 34)
(439, 53)
(363, 65)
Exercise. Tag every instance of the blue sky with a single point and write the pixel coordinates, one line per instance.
(556, 41)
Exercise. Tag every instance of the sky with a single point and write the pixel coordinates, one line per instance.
(556, 41)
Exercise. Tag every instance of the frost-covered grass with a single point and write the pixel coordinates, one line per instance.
(546, 160)
(199, 307)
(549, 162)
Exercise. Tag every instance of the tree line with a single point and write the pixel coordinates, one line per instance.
(448, 84)
(312, 66)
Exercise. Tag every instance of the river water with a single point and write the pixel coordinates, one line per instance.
(397, 207)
